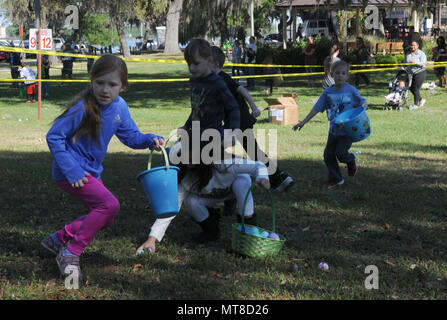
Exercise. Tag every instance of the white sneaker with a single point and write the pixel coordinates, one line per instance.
(412, 107)
(421, 103)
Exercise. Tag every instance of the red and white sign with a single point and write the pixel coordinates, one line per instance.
(46, 42)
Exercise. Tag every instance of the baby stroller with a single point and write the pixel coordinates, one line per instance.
(398, 95)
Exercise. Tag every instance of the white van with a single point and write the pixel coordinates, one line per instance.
(315, 27)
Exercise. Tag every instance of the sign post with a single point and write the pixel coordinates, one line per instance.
(40, 39)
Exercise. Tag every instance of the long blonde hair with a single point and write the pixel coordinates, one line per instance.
(91, 124)
(334, 49)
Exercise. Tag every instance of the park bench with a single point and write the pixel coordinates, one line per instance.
(397, 47)
(389, 48)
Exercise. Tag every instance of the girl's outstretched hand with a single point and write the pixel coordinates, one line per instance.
(158, 143)
(265, 183)
(149, 244)
(80, 183)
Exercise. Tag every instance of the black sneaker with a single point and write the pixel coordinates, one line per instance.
(229, 207)
(286, 182)
(210, 229)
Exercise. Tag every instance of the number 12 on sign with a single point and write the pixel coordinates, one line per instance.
(46, 42)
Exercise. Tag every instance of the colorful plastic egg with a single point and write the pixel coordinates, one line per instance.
(264, 234)
(273, 236)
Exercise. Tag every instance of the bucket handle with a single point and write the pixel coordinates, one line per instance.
(271, 203)
(149, 163)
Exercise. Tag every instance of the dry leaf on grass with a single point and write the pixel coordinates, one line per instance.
(137, 266)
(390, 263)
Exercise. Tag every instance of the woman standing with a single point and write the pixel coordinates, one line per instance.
(440, 54)
(418, 71)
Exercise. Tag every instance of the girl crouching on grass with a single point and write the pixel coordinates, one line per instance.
(202, 186)
(78, 141)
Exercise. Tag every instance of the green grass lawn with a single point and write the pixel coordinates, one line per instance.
(392, 214)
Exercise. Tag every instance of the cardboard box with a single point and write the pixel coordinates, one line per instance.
(283, 110)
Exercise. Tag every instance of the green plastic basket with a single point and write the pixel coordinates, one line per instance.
(251, 245)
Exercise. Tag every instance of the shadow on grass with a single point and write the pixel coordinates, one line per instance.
(382, 217)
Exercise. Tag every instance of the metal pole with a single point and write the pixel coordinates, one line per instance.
(39, 58)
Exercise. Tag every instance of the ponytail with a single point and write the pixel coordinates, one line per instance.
(91, 124)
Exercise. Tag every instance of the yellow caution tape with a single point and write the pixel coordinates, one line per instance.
(229, 64)
(76, 55)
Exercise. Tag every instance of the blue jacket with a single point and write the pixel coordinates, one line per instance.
(336, 101)
(211, 103)
(73, 159)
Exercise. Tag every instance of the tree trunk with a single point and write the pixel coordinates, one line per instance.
(358, 25)
(147, 34)
(123, 40)
(224, 34)
(172, 23)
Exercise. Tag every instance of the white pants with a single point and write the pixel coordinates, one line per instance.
(196, 206)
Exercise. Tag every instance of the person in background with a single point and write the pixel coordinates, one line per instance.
(310, 59)
(328, 61)
(440, 55)
(46, 64)
(236, 58)
(362, 55)
(67, 63)
(15, 63)
(250, 58)
(30, 84)
(90, 61)
(419, 73)
(412, 36)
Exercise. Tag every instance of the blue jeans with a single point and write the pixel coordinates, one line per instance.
(337, 150)
(251, 81)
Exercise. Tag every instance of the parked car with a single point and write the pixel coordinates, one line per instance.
(273, 38)
(3, 54)
(58, 43)
(315, 27)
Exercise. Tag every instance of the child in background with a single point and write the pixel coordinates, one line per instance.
(90, 61)
(396, 95)
(336, 99)
(67, 63)
(78, 141)
(269, 70)
(310, 59)
(250, 58)
(280, 180)
(202, 186)
(30, 84)
(211, 99)
(236, 58)
(46, 64)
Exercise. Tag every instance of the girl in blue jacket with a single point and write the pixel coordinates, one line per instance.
(78, 141)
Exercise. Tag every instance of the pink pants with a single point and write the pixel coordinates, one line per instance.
(102, 206)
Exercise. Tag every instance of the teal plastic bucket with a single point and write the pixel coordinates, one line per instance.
(355, 123)
(160, 185)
